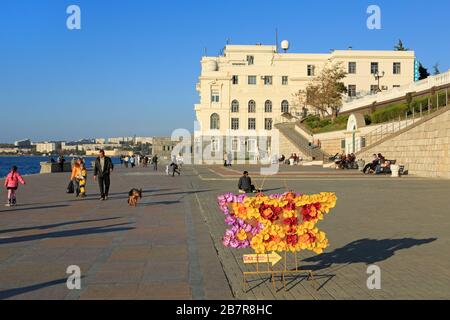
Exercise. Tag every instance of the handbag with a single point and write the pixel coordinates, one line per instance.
(70, 188)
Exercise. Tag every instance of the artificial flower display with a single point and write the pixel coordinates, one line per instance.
(278, 222)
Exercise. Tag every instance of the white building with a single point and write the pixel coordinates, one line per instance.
(47, 147)
(120, 140)
(249, 87)
(100, 140)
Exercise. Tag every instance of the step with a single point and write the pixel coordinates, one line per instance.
(313, 163)
(329, 165)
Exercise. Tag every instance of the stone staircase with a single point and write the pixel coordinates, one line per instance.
(393, 129)
(287, 129)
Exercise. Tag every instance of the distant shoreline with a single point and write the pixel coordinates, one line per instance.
(41, 156)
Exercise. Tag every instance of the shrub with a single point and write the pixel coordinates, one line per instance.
(389, 113)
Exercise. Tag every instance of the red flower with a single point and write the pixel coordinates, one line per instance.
(312, 237)
(309, 211)
(292, 239)
(269, 212)
(290, 206)
(291, 221)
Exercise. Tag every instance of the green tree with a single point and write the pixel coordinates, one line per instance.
(399, 46)
(436, 70)
(423, 72)
(324, 93)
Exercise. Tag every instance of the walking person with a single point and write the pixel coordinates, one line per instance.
(173, 168)
(145, 163)
(82, 178)
(155, 162)
(125, 161)
(76, 177)
(229, 159)
(133, 161)
(102, 171)
(61, 161)
(12, 184)
(180, 161)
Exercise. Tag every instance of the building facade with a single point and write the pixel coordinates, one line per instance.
(246, 91)
(48, 147)
(23, 143)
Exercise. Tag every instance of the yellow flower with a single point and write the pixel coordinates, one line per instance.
(241, 235)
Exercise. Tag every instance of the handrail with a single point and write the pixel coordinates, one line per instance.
(393, 127)
(395, 93)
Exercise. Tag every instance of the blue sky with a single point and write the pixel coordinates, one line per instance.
(133, 66)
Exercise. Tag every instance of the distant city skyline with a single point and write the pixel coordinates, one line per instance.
(133, 66)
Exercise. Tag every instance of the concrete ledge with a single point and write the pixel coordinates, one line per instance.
(49, 167)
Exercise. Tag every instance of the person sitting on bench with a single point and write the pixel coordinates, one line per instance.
(245, 183)
(373, 165)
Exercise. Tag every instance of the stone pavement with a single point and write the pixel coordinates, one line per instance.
(159, 250)
(399, 224)
(169, 247)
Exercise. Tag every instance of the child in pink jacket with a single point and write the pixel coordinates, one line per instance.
(11, 184)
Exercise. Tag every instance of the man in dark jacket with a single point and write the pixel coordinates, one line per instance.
(155, 162)
(245, 183)
(102, 170)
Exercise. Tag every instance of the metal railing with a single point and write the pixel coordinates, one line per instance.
(395, 93)
(303, 144)
(410, 118)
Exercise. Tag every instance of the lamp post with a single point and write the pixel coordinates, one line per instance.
(378, 76)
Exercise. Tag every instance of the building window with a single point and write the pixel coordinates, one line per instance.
(235, 145)
(235, 80)
(268, 106)
(397, 68)
(351, 90)
(251, 123)
(250, 60)
(214, 122)
(352, 67)
(374, 67)
(234, 123)
(343, 144)
(215, 145)
(268, 80)
(284, 80)
(235, 106)
(252, 80)
(251, 145)
(373, 89)
(310, 70)
(251, 106)
(396, 86)
(285, 106)
(215, 96)
(268, 123)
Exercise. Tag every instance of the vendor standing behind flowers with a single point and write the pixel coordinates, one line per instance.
(245, 183)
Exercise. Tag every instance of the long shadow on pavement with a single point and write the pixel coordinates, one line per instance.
(9, 293)
(22, 208)
(68, 233)
(367, 251)
(56, 225)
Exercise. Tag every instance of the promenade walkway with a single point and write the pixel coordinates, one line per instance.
(159, 250)
(169, 247)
